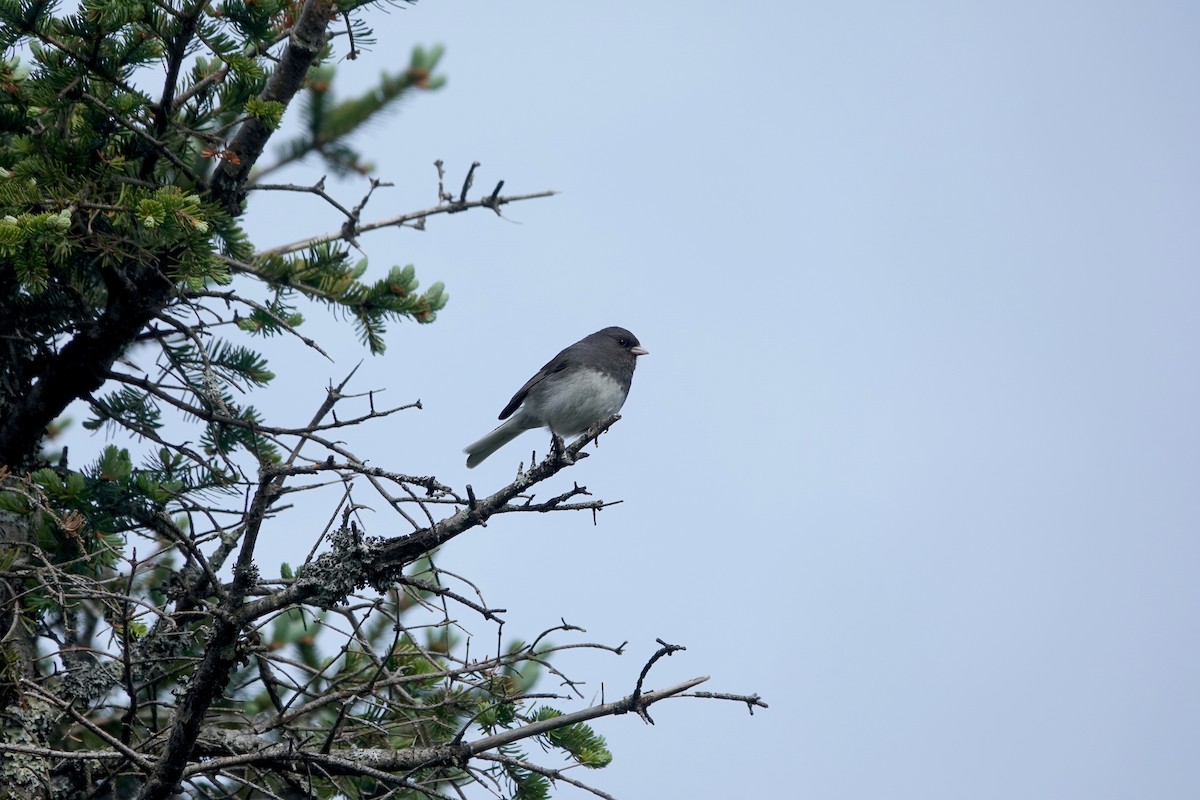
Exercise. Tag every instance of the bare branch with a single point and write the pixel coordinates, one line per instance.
(751, 700)
(252, 749)
(317, 188)
(62, 755)
(383, 561)
(401, 220)
(634, 702)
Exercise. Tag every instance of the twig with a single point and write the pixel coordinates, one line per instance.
(401, 220)
(665, 650)
(317, 188)
(466, 187)
(751, 700)
(65, 755)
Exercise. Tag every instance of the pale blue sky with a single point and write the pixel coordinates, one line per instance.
(915, 454)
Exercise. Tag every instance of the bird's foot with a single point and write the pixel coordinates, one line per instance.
(558, 449)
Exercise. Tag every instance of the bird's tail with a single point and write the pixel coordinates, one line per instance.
(508, 430)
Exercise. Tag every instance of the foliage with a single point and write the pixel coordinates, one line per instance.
(143, 651)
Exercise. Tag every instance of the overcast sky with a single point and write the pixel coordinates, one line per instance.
(915, 453)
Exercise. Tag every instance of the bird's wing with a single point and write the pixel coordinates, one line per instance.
(556, 364)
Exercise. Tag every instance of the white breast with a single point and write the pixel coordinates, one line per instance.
(569, 403)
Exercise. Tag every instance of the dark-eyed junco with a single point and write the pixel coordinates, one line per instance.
(584, 384)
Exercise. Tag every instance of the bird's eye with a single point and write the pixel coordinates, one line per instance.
(623, 342)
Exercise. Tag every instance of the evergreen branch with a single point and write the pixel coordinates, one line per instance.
(220, 748)
(177, 49)
(307, 40)
(150, 434)
(552, 774)
(482, 666)
(234, 297)
(158, 146)
(248, 749)
(83, 364)
(86, 63)
(251, 50)
(208, 415)
(637, 702)
(302, 761)
(630, 703)
(328, 124)
(214, 77)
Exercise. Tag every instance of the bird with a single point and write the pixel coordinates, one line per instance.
(582, 385)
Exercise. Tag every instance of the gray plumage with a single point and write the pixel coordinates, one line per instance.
(584, 384)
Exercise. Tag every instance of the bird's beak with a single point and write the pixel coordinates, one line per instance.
(639, 351)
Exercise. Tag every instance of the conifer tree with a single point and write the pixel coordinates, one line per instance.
(144, 650)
